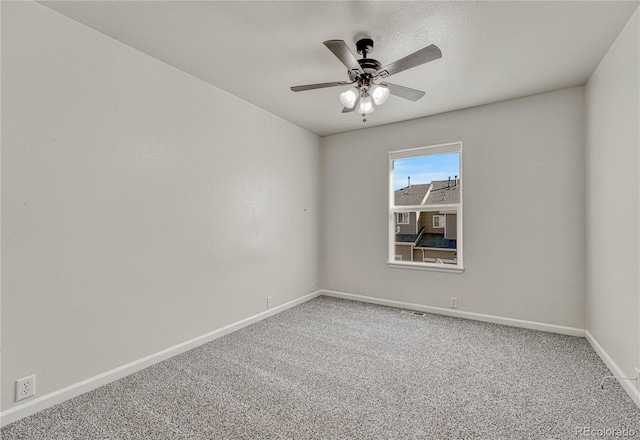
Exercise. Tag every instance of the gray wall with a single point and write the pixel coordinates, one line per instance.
(426, 221)
(410, 228)
(452, 226)
(404, 250)
(138, 211)
(613, 200)
(523, 158)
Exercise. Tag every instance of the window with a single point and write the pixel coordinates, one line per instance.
(427, 182)
(403, 218)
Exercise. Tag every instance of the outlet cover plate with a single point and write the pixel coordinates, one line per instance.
(25, 387)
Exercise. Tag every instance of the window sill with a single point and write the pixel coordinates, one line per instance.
(425, 266)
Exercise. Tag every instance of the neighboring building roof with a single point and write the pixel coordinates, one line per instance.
(406, 238)
(436, 241)
(427, 240)
(444, 192)
(412, 195)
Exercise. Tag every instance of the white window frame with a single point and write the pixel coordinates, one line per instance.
(455, 147)
(404, 215)
(441, 221)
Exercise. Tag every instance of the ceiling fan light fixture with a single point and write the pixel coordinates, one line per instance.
(365, 106)
(367, 71)
(380, 94)
(349, 97)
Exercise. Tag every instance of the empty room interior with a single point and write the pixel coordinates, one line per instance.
(318, 219)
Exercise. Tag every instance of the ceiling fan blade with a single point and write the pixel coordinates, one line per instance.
(319, 86)
(341, 50)
(355, 106)
(422, 56)
(403, 92)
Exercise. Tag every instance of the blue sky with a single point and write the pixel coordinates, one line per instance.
(424, 169)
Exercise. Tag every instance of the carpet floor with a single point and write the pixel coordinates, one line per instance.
(337, 369)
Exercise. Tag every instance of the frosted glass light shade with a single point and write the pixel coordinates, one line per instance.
(379, 94)
(349, 97)
(365, 106)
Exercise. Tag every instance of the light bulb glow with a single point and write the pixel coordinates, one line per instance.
(349, 97)
(365, 106)
(379, 94)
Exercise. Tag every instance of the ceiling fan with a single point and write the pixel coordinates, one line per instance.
(368, 76)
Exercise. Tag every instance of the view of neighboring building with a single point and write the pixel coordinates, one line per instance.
(427, 236)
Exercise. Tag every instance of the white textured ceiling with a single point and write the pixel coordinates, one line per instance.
(492, 51)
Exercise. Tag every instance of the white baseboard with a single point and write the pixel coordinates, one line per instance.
(627, 385)
(571, 331)
(33, 406)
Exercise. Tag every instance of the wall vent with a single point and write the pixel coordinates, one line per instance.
(413, 312)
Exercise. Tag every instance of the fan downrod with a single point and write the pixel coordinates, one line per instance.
(364, 46)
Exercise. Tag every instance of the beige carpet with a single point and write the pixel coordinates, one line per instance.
(336, 369)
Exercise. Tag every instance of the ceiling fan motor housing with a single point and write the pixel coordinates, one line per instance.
(369, 66)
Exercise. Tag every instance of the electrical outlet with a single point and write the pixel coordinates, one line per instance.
(453, 302)
(269, 301)
(25, 387)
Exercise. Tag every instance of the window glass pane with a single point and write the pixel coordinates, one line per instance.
(414, 172)
(429, 232)
(427, 243)
(403, 218)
